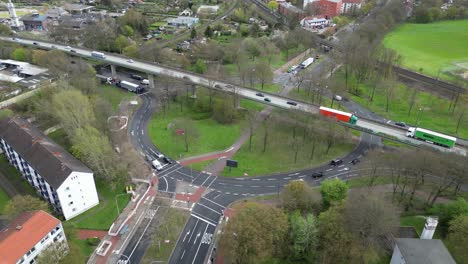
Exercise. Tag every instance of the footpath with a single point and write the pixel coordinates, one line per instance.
(282, 78)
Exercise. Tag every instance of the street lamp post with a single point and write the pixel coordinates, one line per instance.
(117, 204)
(419, 115)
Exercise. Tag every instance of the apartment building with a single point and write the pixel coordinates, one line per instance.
(63, 181)
(28, 235)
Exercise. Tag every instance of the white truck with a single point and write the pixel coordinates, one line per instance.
(307, 63)
(131, 87)
(97, 54)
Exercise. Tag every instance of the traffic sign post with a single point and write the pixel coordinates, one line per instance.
(231, 164)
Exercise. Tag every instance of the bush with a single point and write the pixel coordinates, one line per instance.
(93, 241)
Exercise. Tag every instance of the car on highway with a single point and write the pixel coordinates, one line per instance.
(67, 47)
(159, 155)
(149, 158)
(317, 174)
(293, 68)
(136, 77)
(337, 97)
(260, 94)
(35, 43)
(167, 160)
(73, 51)
(336, 162)
(130, 61)
(267, 100)
(401, 124)
(355, 161)
(291, 103)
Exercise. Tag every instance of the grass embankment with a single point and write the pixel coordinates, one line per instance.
(15, 178)
(169, 231)
(113, 95)
(430, 47)
(279, 154)
(429, 111)
(4, 199)
(212, 136)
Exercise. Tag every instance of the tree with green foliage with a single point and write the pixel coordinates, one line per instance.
(263, 73)
(132, 51)
(121, 42)
(224, 112)
(208, 32)
(298, 195)
(200, 66)
(53, 253)
(273, 5)
(448, 212)
(457, 238)
(21, 54)
(251, 47)
(134, 19)
(23, 203)
(333, 191)
(255, 233)
(304, 235)
(193, 33)
(5, 30)
(73, 110)
(128, 31)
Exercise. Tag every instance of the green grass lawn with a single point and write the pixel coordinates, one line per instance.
(279, 155)
(213, 136)
(251, 105)
(4, 199)
(431, 46)
(434, 114)
(200, 166)
(15, 178)
(113, 95)
(169, 231)
(103, 215)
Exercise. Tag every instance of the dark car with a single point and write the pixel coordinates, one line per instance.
(259, 94)
(73, 51)
(291, 103)
(355, 161)
(317, 174)
(401, 124)
(136, 77)
(35, 43)
(336, 162)
(167, 160)
(267, 100)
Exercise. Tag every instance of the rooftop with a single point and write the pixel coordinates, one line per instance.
(76, 7)
(23, 233)
(50, 160)
(424, 251)
(34, 17)
(24, 67)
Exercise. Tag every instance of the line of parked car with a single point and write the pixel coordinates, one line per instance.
(335, 162)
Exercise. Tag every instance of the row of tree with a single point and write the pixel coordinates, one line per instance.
(355, 229)
(429, 11)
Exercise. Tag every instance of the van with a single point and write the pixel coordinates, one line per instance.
(136, 77)
(157, 165)
(145, 82)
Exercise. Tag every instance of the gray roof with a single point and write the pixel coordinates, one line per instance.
(49, 159)
(424, 251)
(39, 18)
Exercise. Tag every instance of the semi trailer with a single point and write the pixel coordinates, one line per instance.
(338, 115)
(131, 87)
(431, 137)
(306, 63)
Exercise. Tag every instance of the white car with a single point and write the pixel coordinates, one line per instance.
(338, 98)
(68, 47)
(157, 165)
(130, 61)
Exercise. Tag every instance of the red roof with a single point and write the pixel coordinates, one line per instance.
(23, 233)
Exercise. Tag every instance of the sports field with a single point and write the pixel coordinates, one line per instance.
(430, 47)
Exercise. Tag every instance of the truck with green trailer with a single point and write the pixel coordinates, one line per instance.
(431, 137)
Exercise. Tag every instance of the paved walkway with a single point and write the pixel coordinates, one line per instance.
(85, 233)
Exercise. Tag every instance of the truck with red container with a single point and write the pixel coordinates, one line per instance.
(338, 115)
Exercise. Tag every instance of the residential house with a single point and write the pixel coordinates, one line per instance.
(62, 180)
(77, 9)
(325, 8)
(23, 240)
(183, 21)
(186, 12)
(420, 251)
(35, 22)
(312, 23)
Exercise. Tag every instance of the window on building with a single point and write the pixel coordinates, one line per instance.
(70, 203)
(67, 189)
(74, 209)
(69, 196)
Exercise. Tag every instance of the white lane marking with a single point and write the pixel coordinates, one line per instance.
(199, 245)
(340, 166)
(202, 219)
(271, 186)
(217, 196)
(205, 180)
(271, 179)
(293, 174)
(238, 185)
(188, 233)
(255, 186)
(195, 241)
(142, 132)
(144, 231)
(167, 183)
(255, 179)
(209, 208)
(213, 202)
(183, 253)
(214, 179)
(229, 149)
(286, 178)
(302, 176)
(133, 133)
(241, 179)
(344, 169)
(329, 170)
(222, 183)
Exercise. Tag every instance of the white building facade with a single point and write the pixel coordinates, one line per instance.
(59, 178)
(350, 6)
(24, 239)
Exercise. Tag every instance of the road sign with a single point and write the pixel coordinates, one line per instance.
(231, 163)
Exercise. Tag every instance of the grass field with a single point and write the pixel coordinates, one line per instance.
(113, 95)
(430, 47)
(213, 136)
(434, 114)
(103, 215)
(4, 199)
(15, 178)
(279, 154)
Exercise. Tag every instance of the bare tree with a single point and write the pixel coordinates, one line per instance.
(190, 131)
